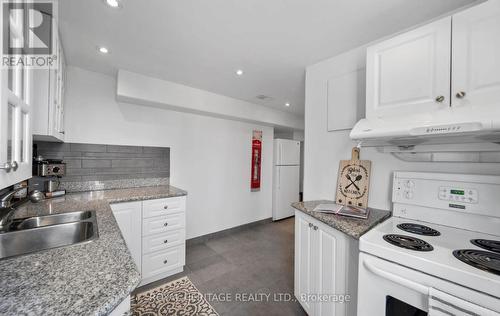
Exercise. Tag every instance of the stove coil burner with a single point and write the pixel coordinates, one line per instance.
(484, 260)
(408, 242)
(418, 229)
(491, 245)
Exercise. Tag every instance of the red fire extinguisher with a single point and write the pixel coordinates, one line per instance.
(256, 159)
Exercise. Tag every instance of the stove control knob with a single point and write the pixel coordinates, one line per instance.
(410, 184)
(409, 195)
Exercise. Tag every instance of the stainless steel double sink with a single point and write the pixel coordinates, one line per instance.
(46, 232)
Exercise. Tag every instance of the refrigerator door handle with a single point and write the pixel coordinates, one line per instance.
(280, 154)
(279, 178)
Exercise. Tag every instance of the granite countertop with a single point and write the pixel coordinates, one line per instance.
(91, 278)
(354, 227)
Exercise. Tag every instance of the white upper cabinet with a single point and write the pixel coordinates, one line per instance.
(49, 90)
(410, 73)
(15, 113)
(476, 51)
(338, 85)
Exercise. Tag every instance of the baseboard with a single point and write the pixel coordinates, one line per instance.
(225, 232)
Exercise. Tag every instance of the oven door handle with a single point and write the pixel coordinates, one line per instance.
(453, 305)
(397, 279)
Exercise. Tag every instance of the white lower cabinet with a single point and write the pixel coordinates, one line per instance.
(155, 232)
(160, 241)
(325, 268)
(163, 238)
(162, 261)
(128, 215)
(303, 267)
(162, 224)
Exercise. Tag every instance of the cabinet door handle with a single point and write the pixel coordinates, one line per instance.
(165, 241)
(165, 207)
(6, 166)
(310, 225)
(166, 224)
(461, 95)
(165, 261)
(440, 99)
(14, 165)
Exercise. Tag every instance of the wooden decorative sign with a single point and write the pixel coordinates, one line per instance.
(353, 181)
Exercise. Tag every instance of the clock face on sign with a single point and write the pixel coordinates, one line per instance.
(353, 184)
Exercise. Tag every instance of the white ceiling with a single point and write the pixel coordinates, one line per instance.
(201, 43)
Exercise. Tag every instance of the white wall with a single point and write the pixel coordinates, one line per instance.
(141, 89)
(210, 157)
(324, 150)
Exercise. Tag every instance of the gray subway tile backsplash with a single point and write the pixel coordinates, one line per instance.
(97, 162)
(132, 163)
(73, 163)
(88, 148)
(125, 149)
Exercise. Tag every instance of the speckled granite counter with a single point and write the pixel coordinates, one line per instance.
(85, 279)
(353, 227)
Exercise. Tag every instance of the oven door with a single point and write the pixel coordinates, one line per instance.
(383, 290)
(387, 288)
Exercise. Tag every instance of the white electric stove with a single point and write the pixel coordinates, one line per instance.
(440, 252)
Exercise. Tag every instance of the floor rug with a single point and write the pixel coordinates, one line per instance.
(179, 297)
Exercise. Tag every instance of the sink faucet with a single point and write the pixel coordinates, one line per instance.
(6, 209)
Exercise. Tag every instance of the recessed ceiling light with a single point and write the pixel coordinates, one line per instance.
(103, 50)
(113, 3)
(239, 72)
(287, 104)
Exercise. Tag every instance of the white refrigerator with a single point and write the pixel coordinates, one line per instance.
(286, 177)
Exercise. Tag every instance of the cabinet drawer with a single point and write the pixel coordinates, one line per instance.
(161, 207)
(161, 224)
(163, 261)
(162, 241)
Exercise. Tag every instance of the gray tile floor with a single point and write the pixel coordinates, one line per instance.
(256, 261)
